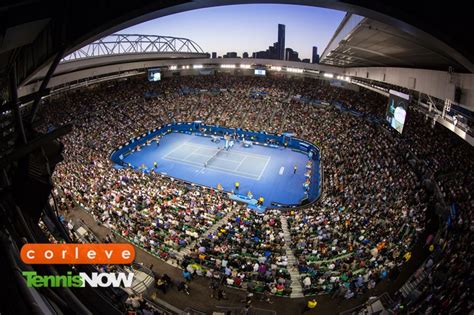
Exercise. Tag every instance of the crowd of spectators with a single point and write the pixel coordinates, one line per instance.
(369, 216)
(153, 212)
(248, 250)
(373, 206)
(446, 275)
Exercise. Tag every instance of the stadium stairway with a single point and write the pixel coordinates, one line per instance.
(296, 288)
(285, 115)
(142, 282)
(413, 283)
(187, 250)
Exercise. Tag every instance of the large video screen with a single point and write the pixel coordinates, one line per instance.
(397, 110)
(154, 75)
(260, 72)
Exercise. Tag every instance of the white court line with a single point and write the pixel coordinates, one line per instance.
(253, 156)
(219, 158)
(199, 146)
(235, 169)
(182, 161)
(179, 147)
(239, 152)
(172, 151)
(239, 173)
(263, 170)
(167, 157)
(206, 155)
(258, 156)
(190, 154)
(215, 168)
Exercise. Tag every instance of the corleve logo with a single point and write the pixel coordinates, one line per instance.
(120, 254)
(95, 280)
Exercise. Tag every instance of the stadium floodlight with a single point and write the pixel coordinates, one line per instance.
(245, 66)
(329, 75)
(275, 68)
(227, 66)
(294, 70)
(174, 67)
(197, 66)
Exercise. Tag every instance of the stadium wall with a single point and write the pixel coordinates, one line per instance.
(440, 84)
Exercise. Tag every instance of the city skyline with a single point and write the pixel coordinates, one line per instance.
(280, 52)
(248, 28)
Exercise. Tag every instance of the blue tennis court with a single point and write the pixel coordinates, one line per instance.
(235, 162)
(262, 170)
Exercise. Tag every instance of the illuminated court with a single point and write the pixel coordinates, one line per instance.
(261, 170)
(232, 161)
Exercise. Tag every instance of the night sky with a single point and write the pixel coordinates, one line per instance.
(248, 28)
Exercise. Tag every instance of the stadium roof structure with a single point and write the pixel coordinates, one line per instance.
(38, 33)
(120, 44)
(119, 49)
(364, 42)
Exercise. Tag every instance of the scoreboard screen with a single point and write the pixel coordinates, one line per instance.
(154, 75)
(397, 109)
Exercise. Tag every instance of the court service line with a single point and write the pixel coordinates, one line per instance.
(172, 151)
(178, 148)
(264, 168)
(240, 163)
(167, 157)
(190, 154)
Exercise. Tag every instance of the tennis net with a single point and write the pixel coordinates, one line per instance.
(212, 158)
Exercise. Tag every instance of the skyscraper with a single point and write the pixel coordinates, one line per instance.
(291, 55)
(281, 42)
(277, 50)
(315, 58)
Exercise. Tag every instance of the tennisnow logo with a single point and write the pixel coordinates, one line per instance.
(95, 280)
(75, 254)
